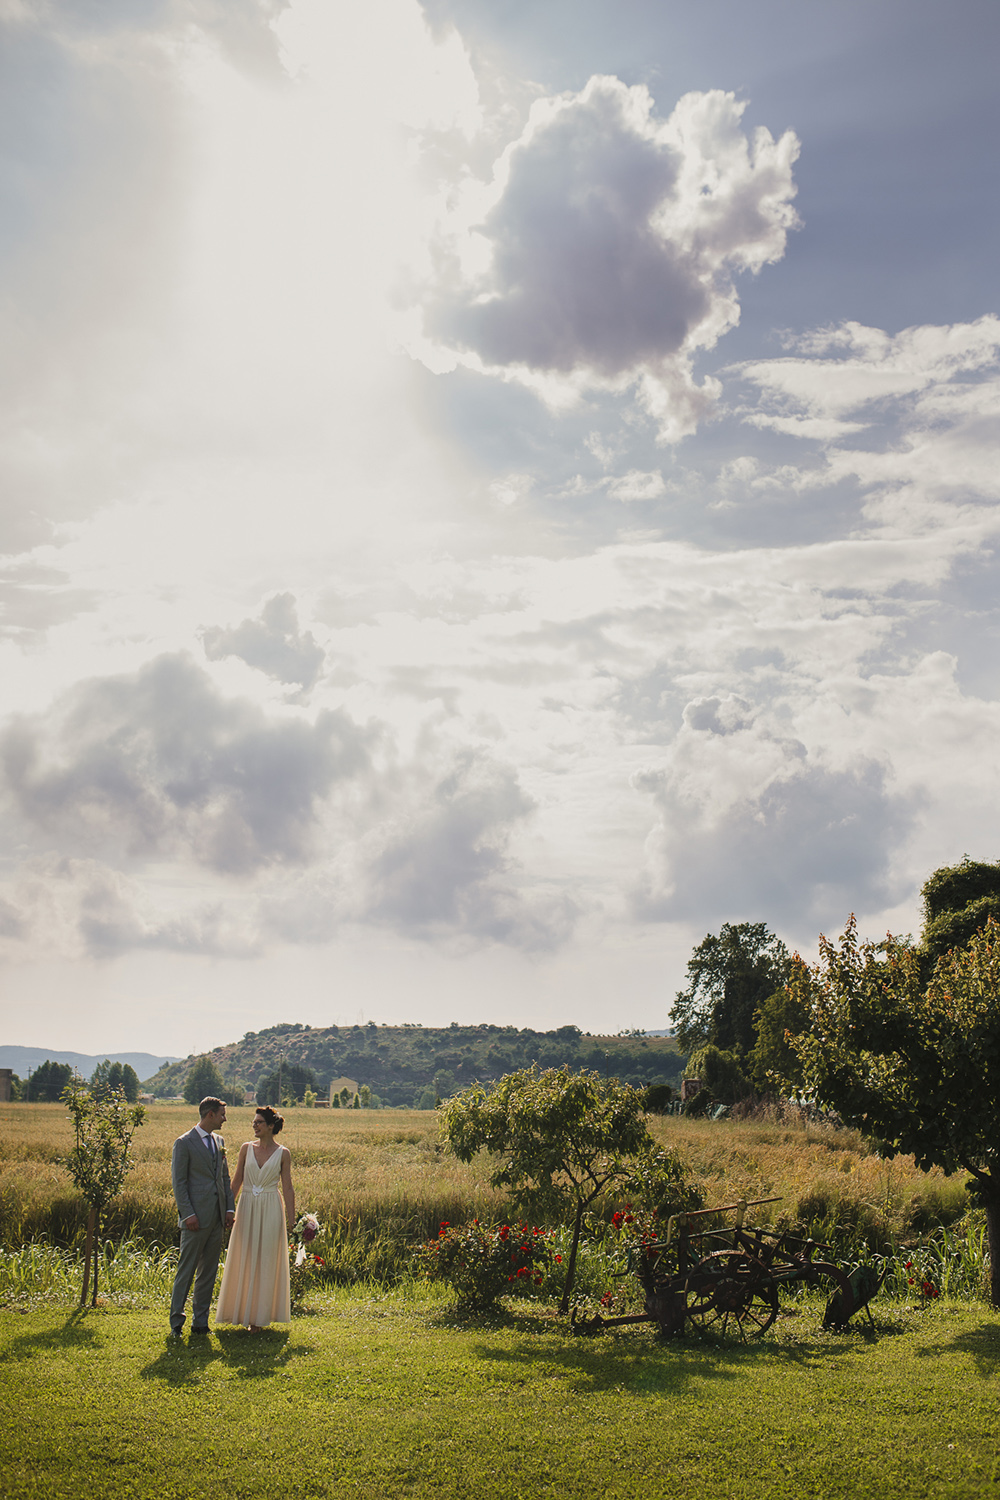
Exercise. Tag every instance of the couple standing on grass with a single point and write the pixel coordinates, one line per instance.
(255, 1281)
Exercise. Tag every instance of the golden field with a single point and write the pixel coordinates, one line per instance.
(383, 1177)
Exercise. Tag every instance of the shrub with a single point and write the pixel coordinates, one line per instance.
(481, 1262)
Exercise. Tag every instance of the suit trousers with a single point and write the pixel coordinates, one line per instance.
(199, 1261)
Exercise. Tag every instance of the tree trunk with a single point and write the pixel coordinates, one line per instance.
(992, 1207)
(571, 1271)
(88, 1256)
(93, 1295)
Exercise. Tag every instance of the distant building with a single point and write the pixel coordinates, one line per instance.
(338, 1085)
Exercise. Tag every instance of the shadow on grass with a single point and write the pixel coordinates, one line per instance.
(72, 1335)
(638, 1358)
(982, 1343)
(251, 1356)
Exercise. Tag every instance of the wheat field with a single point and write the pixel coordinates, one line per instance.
(383, 1177)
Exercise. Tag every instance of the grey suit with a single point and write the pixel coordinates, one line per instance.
(201, 1187)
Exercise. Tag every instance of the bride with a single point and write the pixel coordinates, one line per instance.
(255, 1284)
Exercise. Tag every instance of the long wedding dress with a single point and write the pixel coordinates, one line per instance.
(255, 1289)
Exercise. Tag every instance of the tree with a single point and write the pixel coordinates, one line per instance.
(721, 1073)
(915, 1065)
(46, 1084)
(774, 1062)
(559, 1139)
(116, 1078)
(288, 1084)
(99, 1161)
(366, 1096)
(958, 900)
(728, 977)
(204, 1081)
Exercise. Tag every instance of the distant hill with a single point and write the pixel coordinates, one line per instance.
(399, 1062)
(23, 1058)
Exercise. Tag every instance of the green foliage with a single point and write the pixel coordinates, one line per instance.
(204, 1081)
(657, 1183)
(482, 1262)
(115, 1078)
(774, 1062)
(558, 1138)
(729, 975)
(398, 1061)
(658, 1098)
(47, 1082)
(958, 901)
(99, 1160)
(104, 1127)
(287, 1085)
(721, 1072)
(916, 1066)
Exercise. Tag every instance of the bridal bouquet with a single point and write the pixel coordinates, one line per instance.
(304, 1264)
(304, 1231)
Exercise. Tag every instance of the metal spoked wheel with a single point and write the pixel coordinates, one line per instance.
(729, 1291)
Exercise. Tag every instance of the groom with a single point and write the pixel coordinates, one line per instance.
(205, 1206)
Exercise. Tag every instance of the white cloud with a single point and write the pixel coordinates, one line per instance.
(273, 644)
(603, 256)
(636, 485)
(160, 764)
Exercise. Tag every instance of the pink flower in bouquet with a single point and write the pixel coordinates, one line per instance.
(310, 1228)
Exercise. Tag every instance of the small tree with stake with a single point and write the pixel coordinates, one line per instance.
(913, 1063)
(99, 1161)
(559, 1138)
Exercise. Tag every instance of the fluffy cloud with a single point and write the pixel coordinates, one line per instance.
(272, 643)
(605, 252)
(160, 763)
(157, 770)
(801, 851)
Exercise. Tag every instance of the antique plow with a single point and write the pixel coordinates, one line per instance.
(729, 1279)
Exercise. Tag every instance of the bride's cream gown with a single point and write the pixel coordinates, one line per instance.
(255, 1278)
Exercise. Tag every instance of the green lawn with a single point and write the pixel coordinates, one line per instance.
(399, 1397)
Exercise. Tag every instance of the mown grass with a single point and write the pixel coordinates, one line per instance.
(394, 1396)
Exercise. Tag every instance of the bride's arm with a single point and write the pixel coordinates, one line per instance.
(287, 1191)
(237, 1182)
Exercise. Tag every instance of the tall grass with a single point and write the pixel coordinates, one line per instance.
(381, 1183)
(130, 1275)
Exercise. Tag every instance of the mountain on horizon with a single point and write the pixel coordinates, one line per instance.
(23, 1058)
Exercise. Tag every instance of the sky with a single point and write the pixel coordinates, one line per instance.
(490, 492)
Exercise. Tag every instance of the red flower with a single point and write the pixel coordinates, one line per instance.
(504, 1232)
(559, 1258)
(319, 1260)
(616, 1219)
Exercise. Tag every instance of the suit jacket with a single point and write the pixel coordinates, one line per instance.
(201, 1185)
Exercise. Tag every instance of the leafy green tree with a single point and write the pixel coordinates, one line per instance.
(914, 1065)
(99, 1161)
(721, 1072)
(115, 1078)
(204, 1081)
(728, 977)
(559, 1139)
(46, 1084)
(958, 900)
(286, 1085)
(366, 1096)
(774, 1062)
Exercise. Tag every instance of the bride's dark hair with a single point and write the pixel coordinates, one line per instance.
(270, 1117)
